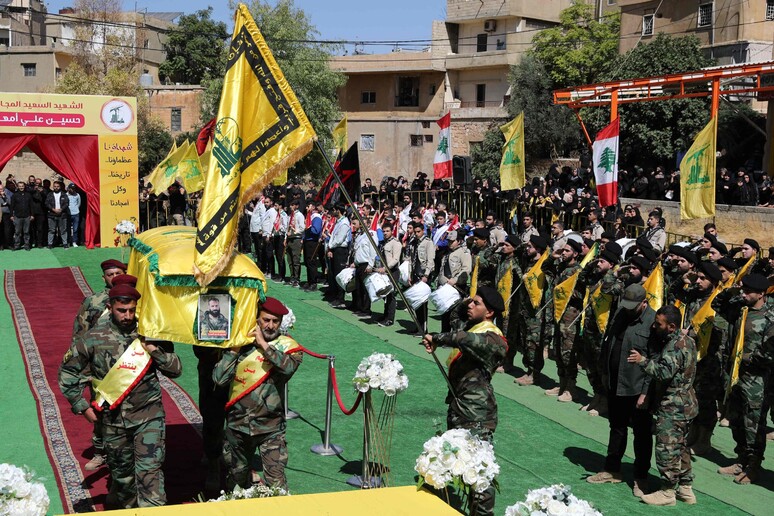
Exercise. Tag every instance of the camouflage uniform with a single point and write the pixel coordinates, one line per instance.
(475, 406)
(591, 335)
(257, 421)
(134, 431)
(504, 264)
(486, 261)
(566, 330)
(675, 406)
(747, 402)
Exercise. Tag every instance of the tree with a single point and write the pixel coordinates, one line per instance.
(547, 127)
(291, 38)
(486, 157)
(580, 49)
(195, 48)
(104, 40)
(653, 133)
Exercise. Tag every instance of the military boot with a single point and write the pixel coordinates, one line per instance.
(703, 443)
(661, 498)
(96, 462)
(601, 408)
(750, 475)
(569, 392)
(556, 391)
(685, 494)
(525, 380)
(732, 470)
(592, 404)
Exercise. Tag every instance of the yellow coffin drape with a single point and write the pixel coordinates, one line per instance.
(261, 131)
(161, 259)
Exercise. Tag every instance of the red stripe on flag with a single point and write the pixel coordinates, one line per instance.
(442, 170)
(608, 194)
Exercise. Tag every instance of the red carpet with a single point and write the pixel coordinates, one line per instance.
(44, 304)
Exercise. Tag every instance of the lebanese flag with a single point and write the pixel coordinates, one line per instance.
(375, 222)
(454, 223)
(442, 164)
(605, 160)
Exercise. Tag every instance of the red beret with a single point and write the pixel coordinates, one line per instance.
(113, 264)
(124, 279)
(124, 291)
(274, 307)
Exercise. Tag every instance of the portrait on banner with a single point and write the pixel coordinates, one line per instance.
(214, 317)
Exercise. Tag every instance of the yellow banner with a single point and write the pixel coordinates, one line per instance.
(118, 192)
(600, 304)
(254, 369)
(736, 353)
(697, 175)
(702, 323)
(189, 170)
(504, 287)
(340, 137)
(166, 172)
(562, 294)
(482, 327)
(125, 373)
(745, 269)
(535, 281)
(512, 166)
(654, 287)
(261, 131)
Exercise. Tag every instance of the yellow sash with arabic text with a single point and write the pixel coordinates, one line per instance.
(253, 370)
(482, 327)
(702, 323)
(122, 377)
(737, 351)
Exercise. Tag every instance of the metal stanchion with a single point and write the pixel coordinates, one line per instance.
(326, 448)
(289, 413)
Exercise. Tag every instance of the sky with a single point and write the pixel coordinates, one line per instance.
(360, 20)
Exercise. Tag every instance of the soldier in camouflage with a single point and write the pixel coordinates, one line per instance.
(531, 331)
(92, 308)
(484, 259)
(561, 266)
(747, 403)
(134, 431)
(680, 261)
(257, 420)
(507, 264)
(674, 405)
(709, 370)
(482, 349)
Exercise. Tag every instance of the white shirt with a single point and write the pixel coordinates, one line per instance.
(267, 222)
(364, 251)
(257, 217)
(298, 224)
(341, 235)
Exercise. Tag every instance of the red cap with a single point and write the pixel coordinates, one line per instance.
(113, 264)
(124, 291)
(124, 279)
(274, 307)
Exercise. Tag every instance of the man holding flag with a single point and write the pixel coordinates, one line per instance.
(605, 159)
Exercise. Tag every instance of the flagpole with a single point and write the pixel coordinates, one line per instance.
(395, 285)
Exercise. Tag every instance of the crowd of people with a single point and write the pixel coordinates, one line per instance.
(40, 213)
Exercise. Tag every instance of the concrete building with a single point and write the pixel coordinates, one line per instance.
(177, 105)
(392, 101)
(33, 59)
(730, 31)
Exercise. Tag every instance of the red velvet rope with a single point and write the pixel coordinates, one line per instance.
(338, 396)
(312, 353)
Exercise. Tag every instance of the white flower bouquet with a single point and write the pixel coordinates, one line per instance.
(550, 501)
(255, 491)
(288, 322)
(20, 493)
(380, 371)
(459, 458)
(126, 227)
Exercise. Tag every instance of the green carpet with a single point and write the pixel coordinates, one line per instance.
(538, 441)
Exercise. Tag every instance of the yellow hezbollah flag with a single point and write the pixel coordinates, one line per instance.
(591, 255)
(600, 305)
(535, 281)
(261, 131)
(512, 169)
(340, 137)
(504, 287)
(702, 323)
(189, 170)
(165, 172)
(654, 287)
(745, 269)
(697, 175)
(737, 352)
(562, 294)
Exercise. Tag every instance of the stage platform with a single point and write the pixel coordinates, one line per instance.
(393, 501)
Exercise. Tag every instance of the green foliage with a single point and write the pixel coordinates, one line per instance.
(580, 48)
(195, 49)
(486, 157)
(547, 128)
(154, 146)
(653, 133)
(288, 32)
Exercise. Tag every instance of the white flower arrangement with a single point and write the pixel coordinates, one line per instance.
(380, 371)
(459, 458)
(255, 491)
(20, 493)
(551, 501)
(288, 322)
(126, 227)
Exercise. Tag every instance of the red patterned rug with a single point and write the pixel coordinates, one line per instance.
(44, 304)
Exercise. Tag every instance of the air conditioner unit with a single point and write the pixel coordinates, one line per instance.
(490, 25)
